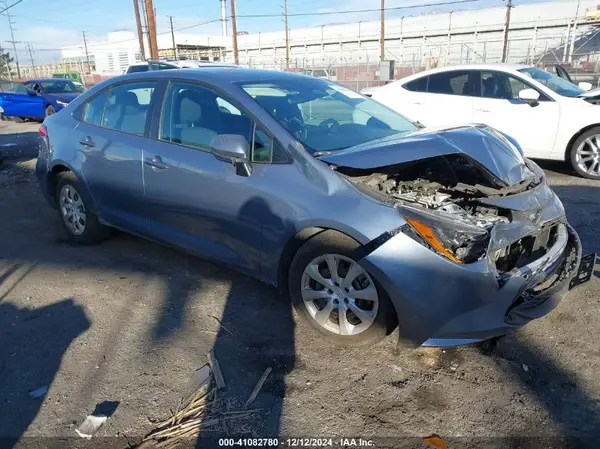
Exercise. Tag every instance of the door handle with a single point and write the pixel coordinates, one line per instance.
(156, 163)
(482, 110)
(87, 142)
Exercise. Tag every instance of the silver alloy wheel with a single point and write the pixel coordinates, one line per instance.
(587, 155)
(72, 209)
(339, 294)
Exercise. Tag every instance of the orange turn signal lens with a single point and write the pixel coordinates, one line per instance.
(427, 233)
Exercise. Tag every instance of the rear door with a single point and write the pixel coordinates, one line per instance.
(442, 99)
(449, 98)
(533, 126)
(112, 135)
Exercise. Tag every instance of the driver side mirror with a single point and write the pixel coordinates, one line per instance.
(531, 96)
(585, 86)
(232, 147)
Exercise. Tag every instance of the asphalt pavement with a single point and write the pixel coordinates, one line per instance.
(128, 321)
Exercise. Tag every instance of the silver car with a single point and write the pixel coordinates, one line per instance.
(365, 220)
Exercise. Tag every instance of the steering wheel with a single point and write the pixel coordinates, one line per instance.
(331, 124)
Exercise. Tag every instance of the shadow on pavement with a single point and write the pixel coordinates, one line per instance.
(32, 344)
(17, 147)
(256, 333)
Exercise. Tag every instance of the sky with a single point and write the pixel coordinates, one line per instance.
(51, 24)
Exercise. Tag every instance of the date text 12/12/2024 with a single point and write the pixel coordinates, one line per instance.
(296, 442)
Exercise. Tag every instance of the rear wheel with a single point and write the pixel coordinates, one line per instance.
(585, 154)
(81, 224)
(337, 296)
(50, 110)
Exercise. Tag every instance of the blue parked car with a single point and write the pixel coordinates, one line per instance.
(366, 221)
(36, 99)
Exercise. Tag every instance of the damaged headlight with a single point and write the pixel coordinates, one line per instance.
(458, 242)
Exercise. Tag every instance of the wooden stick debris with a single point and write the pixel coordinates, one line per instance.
(222, 325)
(216, 370)
(258, 386)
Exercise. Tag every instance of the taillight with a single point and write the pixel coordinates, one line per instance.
(43, 131)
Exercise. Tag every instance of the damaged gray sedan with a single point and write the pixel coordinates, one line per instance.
(367, 221)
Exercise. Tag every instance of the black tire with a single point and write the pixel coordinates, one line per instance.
(573, 153)
(333, 242)
(50, 110)
(94, 231)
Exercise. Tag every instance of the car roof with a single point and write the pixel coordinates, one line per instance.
(218, 74)
(37, 80)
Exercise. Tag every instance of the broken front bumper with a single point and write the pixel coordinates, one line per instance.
(441, 303)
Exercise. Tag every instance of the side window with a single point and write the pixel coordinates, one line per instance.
(418, 85)
(226, 107)
(452, 83)
(262, 146)
(95, 108)
(516, 86)
(19, 88)
(127, 106)
(192, 115)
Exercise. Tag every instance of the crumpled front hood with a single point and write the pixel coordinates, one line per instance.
(65, 98)
(479, 142)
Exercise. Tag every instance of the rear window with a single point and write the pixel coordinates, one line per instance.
(137, 68)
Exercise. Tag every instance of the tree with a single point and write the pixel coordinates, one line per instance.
(5, 61)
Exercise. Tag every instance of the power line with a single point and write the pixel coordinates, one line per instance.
(10, 6)
(357, 11)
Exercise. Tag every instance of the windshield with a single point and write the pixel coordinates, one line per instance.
(59, 87)
(324, 116)
(559, 85)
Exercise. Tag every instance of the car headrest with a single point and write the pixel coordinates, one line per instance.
(127, 99)
(189, 110)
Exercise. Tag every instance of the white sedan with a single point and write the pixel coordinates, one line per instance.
(550, 117)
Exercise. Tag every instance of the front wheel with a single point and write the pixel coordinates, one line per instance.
(585, 154)
(337, 296)
(50, 110)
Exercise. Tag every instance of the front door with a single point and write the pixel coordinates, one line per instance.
(533, 126)
(193, 199)
(111, 136)
(18, 101)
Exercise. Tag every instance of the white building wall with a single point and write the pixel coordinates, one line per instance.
(423, 40)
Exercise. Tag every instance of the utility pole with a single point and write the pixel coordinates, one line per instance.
(382, 35)
(140, 33)
(12, 37)
(287, 35)
(509, 6)
(31, 58)
(236, 58)
(223, 17)
(151, 29)
(173, 37)
(87, 55)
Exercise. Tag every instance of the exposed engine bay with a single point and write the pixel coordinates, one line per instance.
(447, 187)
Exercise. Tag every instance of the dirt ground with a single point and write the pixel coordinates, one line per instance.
(129, 321)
